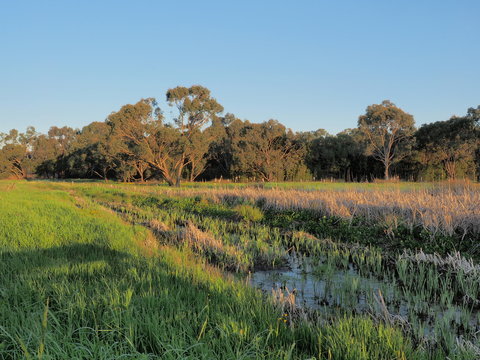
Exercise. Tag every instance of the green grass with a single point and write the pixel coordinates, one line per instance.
(79, 282)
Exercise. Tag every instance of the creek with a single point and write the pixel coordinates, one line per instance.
(317, 284)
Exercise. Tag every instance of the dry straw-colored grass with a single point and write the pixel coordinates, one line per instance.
(454, 262)
(199, 241)
(440, 209)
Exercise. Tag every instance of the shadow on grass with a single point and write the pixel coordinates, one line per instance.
(159, 298)
(75, 254)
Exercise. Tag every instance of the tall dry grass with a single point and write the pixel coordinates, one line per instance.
(442, 209)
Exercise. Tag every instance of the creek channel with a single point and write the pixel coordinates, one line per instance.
(321, 286)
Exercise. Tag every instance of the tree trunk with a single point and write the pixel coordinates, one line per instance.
(140, 171)
(177, 182)
(387, 170)
(450, 168)
(192, 171)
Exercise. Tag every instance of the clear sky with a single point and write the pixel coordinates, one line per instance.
(308, 64)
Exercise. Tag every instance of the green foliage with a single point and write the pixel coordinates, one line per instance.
(249, 213)
(15, 161)
(136, 144)
(339, 157)
(447, 149)
(266, 151)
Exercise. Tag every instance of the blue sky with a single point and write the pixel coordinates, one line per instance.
(308, 64)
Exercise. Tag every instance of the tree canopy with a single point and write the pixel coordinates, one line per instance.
(137, 143)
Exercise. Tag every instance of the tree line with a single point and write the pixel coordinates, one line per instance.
(136, 143)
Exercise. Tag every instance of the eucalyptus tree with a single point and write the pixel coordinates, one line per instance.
(15, 153)
(338, 156)
(12, 158)
(265, 151)
(44, 156)
(388, 132)
(450, 146)
(168, 148)
(196, 109)
(63, 139)
(219, 156)
(95, 151)
(135, 135)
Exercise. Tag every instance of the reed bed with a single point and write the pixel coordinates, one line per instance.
(440, 210)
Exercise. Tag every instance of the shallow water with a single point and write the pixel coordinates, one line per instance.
(334, 291)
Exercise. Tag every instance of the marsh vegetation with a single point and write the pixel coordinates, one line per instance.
(298, 270)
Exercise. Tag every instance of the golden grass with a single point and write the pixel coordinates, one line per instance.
(440, 210)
